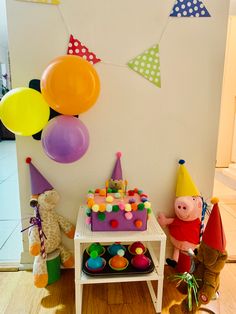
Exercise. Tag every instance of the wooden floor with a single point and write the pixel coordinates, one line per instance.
(19, 296)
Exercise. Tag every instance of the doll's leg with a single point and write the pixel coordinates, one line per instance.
(67, 258)
(40, 272)
(175, 256)
(173, 262)
(34, 241)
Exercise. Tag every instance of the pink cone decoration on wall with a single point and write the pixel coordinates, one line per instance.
(75, 47)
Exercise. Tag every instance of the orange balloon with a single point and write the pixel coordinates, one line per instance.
(70, 85)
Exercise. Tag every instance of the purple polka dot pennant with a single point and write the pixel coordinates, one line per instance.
(189, 8)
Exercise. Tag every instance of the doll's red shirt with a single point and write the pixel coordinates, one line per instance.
(185, 230)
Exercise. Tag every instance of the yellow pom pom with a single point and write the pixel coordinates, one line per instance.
(128, 207)
(214, 200)
(139, 250)
(109, 199)
(95, 208)
(147, 205)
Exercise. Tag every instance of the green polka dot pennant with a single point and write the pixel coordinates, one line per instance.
(148, 65)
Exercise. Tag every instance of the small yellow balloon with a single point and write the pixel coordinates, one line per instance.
(24, 111)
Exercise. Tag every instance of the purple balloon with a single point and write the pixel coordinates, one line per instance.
(65, 139)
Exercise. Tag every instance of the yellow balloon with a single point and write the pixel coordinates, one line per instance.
(24, 111)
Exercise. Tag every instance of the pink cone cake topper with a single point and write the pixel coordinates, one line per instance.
(117, 171)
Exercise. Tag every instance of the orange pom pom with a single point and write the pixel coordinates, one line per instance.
(90, 202)
(134, 206)
(102, 192)
(102, 207)
(214, 200)
(138, 223)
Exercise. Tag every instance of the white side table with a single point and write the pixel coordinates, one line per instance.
(154, 238)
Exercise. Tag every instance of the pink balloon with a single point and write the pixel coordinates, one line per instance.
(65, 139)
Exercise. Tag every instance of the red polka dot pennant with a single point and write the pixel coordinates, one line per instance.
(75, 47)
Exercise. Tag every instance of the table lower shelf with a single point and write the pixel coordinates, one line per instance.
(84, 279)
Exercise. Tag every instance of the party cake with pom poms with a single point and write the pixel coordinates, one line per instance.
(115, 208)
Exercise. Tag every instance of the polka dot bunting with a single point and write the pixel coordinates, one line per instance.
(75, 47)
(189, 8)
(43, 1)
(148, 65)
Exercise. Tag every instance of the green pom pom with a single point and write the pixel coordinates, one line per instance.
(91, 191)
(140, 192)
(140, 206)
(109, 190)
(94, 254)
(114, 190)
(88, 211)
(101, 216)
(115, 208)
(149, 210)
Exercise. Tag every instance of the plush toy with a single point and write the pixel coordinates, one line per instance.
(116, 181)
(209, 262)
(45, 231)
(185, 227)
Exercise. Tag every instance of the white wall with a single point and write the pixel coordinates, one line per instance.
(232, 7)
(3, 33)
(152, 127)
(227, 113)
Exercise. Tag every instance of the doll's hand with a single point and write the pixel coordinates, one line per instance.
(71, 233)
(34, 249)
(162, 220)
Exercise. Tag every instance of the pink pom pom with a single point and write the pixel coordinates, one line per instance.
(118, 154)
(128, 215)
(121, 206)
(88, 220)
(28, 160)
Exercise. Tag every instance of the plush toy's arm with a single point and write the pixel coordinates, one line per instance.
(34, 241)
(66, 226)
(163, 220)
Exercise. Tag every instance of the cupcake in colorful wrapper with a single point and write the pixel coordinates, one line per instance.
(115, 247)
(96, 247)
(119, 262)
(95, 263)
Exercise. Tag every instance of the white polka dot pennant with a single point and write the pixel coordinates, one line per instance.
(75, 47)
(148, 65)
(43, 1)
(189, 8)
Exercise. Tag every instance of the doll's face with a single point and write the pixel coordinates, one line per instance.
(48, 199)
(116, 184)
(188, 208)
